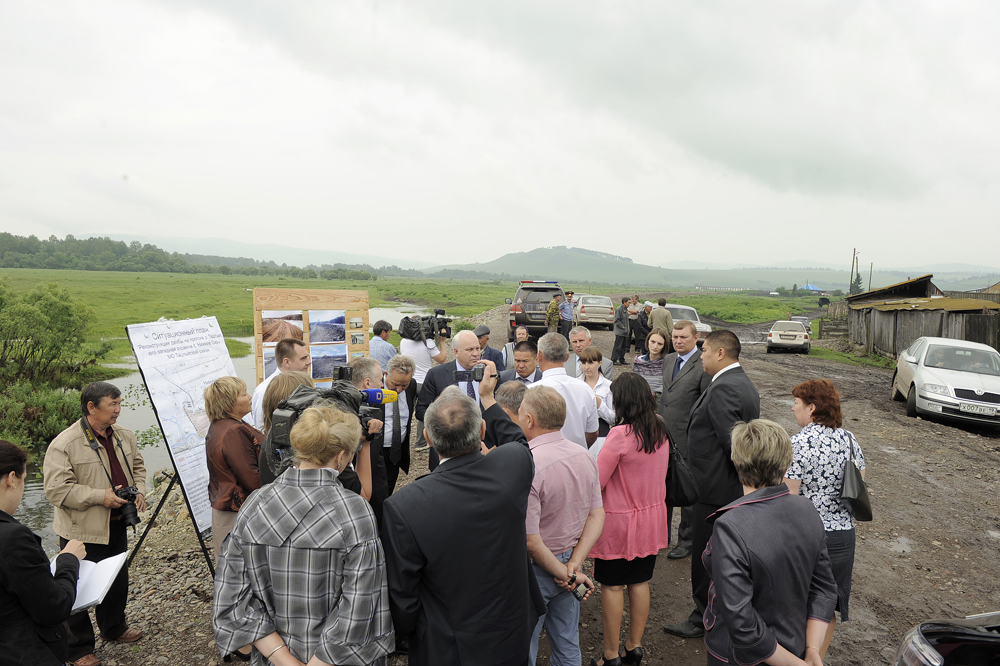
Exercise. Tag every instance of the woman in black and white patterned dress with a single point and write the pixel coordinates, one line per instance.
(821, 450)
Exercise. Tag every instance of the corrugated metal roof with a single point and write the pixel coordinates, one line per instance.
(949, 304)
(905, 283)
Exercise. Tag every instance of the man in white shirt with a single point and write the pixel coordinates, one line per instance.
(424, 353)
(581, 424)
(289, 354)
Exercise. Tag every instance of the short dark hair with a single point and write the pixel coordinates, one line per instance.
(727, 340)
(661, 302)
(381, 326)
(625, 300)
(285, 348)
(825, 400)
(95, 392)
(591, 354)
(12, 459)
(528, 346)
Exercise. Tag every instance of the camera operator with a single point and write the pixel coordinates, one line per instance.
(424, 353)
(84, 465)
(367, 374)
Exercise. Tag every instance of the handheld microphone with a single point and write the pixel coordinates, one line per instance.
(378, 396)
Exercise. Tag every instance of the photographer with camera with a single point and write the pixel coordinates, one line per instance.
(96, 480)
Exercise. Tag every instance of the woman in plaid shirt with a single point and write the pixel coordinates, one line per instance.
(302, 573)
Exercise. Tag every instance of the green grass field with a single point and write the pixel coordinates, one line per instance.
(119, 299)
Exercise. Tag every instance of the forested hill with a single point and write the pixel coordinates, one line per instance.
(104, 254)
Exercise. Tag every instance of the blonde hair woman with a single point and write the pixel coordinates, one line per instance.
(305, 532)
(232, 447)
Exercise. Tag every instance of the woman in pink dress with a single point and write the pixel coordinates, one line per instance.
(633, 468)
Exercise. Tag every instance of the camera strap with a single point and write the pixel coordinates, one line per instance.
(94, 443)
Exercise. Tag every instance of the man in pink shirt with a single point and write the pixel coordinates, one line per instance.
(565, 517)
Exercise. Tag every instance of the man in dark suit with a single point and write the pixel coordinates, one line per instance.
(684, 380)
(460, 588)
(396, 448)
(525, 368)
(621, 330)
(729, 399)
(579, 339)
(465, 345)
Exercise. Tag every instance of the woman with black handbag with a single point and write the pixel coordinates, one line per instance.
(822, 450)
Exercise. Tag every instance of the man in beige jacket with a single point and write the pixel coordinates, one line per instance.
(83, 467)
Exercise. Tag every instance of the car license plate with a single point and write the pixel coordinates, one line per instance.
(982, 410)
(787, 337)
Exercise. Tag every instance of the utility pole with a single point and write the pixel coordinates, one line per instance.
(870, 267)
(850, 280)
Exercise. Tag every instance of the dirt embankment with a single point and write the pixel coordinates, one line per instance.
(930, 552)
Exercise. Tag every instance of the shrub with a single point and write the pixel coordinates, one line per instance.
(32, 416)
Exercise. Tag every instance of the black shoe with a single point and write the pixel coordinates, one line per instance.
(679, 553)
(617, 661)
(684, 629)
(633, 656)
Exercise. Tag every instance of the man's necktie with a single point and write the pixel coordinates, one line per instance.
(395, 451)
(523, 379)
(677, 366)
(471, 391)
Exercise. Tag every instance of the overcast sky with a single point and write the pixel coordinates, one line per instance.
(458, 131)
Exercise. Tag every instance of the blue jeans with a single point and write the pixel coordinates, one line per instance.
(561, 620)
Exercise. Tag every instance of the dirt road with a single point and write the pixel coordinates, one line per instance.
(933, 548)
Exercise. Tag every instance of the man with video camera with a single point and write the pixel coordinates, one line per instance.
(96, 480)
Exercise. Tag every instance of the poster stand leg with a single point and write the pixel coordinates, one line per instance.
(152, 521)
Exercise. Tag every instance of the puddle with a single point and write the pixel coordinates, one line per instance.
(901, 545)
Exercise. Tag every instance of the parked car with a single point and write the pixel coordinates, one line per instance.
(527, 308)
(678, 312)
(949, 378)
(591, 310)
(972, 640)
(788, 335)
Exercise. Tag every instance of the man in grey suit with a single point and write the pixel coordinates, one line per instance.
(525, 368)
(729, 399)
(684, 380)
(580, 339)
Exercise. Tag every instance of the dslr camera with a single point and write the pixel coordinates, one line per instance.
(130, 515)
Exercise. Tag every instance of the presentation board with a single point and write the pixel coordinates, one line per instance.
(177, 361)
(333, 324)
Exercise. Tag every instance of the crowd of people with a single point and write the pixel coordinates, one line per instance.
(548, 462)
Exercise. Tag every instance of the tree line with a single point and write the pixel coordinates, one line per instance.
(104, 254)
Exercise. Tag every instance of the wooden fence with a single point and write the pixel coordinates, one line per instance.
(889, 332)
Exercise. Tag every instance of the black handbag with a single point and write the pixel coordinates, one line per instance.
(681, 487)
(854, 493)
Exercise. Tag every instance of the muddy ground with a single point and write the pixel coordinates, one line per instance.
(932, 550)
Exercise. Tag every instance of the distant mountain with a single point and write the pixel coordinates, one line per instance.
(580, 266)
(279, 254)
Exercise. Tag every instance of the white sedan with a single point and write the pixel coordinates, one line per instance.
(949, 378)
